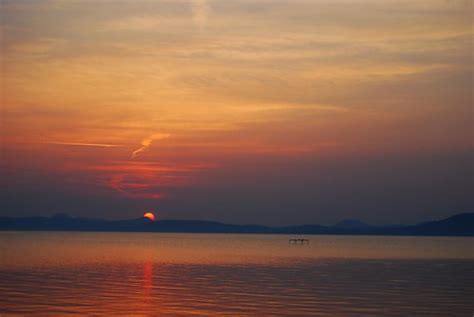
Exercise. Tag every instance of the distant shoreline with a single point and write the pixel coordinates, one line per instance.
(458, 226)
(248, 233)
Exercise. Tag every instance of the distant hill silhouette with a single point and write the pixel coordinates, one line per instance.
(458, 225)
(351, 224)
(461, 224)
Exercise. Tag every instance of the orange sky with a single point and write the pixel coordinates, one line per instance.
(143, 100)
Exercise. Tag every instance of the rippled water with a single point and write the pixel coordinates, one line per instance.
(151, 274)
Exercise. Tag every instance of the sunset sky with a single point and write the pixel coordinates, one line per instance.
(243, 111)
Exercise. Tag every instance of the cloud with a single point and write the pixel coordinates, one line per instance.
(146, 180)
(147, 142)
(84, 144)
(134, 23)
(201, 12)
(38, 46)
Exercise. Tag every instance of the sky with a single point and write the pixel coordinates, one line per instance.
(271, 112)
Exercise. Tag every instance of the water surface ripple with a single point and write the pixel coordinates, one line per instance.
(232, 275)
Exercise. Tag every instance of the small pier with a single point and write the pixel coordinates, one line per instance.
(298, 241)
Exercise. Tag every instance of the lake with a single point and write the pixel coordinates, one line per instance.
(163, 274)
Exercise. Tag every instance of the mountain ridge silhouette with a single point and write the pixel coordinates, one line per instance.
(456, 225)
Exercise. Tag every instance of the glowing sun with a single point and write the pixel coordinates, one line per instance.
(149, 215)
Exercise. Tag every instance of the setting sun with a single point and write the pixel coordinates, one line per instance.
(149, 215)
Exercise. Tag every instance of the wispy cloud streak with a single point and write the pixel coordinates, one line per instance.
(84, 144)
(200, 12)
(148, 141)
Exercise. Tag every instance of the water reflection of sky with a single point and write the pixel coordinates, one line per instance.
(151, 280)
(73, 248)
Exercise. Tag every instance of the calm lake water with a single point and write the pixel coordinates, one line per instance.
(156, 274)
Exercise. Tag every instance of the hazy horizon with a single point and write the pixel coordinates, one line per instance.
(157, 217)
